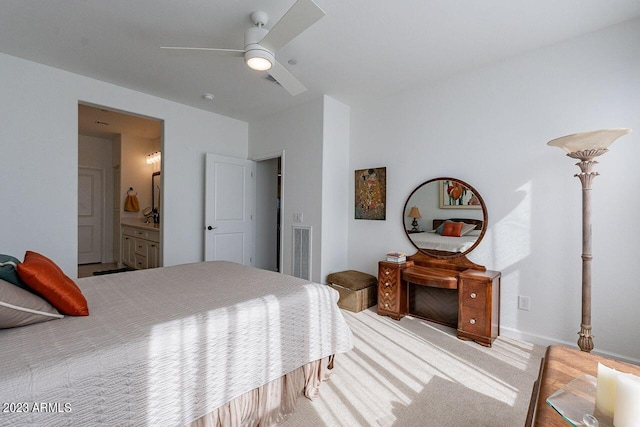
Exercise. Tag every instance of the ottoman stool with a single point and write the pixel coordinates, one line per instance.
(357, 290)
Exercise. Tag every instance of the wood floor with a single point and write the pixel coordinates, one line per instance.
(87, 270)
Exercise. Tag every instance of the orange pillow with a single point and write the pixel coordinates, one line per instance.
(453, 229)
(46, 278)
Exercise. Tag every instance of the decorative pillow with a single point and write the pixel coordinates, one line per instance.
(20, 308)
(441, 227)
(8, 271)
(48, 280)
(452, 229)
(467, 228)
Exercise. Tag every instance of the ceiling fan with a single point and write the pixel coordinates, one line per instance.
(261, 44)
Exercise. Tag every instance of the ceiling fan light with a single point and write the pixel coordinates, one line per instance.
(259, 64)
(259, 59)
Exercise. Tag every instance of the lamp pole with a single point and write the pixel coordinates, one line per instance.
(586, 176)
(585, 147)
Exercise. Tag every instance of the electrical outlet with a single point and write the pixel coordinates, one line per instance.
(524, 303)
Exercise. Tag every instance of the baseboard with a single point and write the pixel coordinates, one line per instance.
(546, 341)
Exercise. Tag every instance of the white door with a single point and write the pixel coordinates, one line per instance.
(230, 196)
(89, 215)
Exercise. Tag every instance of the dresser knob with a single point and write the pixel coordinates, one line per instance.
(473, 295)
(386, 294)
(386, 272)
(387, 284)
(386, 305)
(472, 321)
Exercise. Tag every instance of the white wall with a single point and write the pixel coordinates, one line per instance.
(39, 143)
(315, 138)
(335, 194)
(490, 128)
(299, 132)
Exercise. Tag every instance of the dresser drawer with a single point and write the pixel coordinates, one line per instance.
(387, 291)
(473, 294)
(387, 275)
(473, 320)
(387, 294)
(388, 298)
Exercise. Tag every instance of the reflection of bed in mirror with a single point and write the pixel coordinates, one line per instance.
(434, 242)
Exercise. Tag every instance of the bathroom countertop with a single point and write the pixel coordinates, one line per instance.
(139, 224)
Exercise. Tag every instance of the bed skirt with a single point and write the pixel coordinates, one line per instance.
(271, 403)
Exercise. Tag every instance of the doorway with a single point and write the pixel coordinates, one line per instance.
(116, 145)
(269, 205)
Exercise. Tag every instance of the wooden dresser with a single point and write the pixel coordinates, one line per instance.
(455, 295)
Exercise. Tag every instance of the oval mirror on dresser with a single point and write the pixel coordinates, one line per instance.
(445, 218)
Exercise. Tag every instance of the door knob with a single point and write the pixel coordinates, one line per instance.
(211, 228)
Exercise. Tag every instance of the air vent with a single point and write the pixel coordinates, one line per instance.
(302, 252)
(272, 79)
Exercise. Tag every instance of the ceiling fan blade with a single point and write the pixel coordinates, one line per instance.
(222, 52)
(286, 79)
(302, 15)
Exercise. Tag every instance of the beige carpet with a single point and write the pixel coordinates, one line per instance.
(415, 373)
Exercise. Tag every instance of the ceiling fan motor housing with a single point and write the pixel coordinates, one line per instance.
(254, 51)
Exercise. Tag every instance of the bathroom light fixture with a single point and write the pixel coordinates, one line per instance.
(154, 158)
(585, 147)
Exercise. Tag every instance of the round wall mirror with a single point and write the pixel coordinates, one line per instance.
(445, 218)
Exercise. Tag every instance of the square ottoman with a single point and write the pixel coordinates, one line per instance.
(357, 290)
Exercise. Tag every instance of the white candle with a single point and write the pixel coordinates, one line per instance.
(606, 389)
(627, 405)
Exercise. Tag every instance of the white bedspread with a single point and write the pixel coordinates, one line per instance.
(437, 242)
(166, 346)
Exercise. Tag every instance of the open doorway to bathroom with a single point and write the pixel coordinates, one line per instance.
(114, 163)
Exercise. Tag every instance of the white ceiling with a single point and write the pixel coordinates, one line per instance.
(106, 123)
(362, 49)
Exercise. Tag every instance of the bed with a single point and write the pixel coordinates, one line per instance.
(190, 344)
(434, 241)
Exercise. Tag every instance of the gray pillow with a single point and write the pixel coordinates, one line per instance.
(8, 271)
(20, 308)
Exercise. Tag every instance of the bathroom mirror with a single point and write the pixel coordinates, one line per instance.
(155, 191)
(445, 218)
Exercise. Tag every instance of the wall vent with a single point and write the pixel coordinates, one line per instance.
(302, 251)
(272, 79)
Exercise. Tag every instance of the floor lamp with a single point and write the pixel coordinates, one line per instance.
(586, 146)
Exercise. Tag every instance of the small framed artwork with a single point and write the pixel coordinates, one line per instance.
(454, 195)
(371, 194)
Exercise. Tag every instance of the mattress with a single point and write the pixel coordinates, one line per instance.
(434, 241)
(166, 346)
